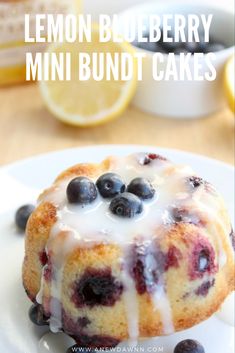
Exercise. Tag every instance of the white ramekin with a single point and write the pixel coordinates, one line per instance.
(183, 99)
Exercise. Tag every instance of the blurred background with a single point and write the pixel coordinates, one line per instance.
(114, 6)
(27, 127)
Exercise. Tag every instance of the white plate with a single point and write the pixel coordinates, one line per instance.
(20, 183)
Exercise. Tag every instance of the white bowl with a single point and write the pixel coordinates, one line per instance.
(183, 99)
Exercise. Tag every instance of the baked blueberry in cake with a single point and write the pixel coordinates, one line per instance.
(132, 247)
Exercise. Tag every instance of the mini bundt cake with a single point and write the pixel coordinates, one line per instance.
(132, 247)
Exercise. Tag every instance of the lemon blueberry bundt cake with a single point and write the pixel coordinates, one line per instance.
(132, 247)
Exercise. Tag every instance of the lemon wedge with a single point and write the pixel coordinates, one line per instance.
(229, 80)
(89, 102)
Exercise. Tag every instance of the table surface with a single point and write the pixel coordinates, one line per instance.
(27, 128)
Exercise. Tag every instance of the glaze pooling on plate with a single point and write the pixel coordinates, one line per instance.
(180, 199)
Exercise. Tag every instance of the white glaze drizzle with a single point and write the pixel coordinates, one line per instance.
(86, 226)
(130, 300)
(39, 296)
(58, 254)
(131, 304)
(162, 304)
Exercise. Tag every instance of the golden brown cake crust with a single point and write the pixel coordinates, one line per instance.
(192, 298)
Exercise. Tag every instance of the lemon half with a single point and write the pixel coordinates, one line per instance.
(229, 81)
(90, 102)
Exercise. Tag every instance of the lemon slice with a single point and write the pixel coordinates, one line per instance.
(90, 102)
(229, 80)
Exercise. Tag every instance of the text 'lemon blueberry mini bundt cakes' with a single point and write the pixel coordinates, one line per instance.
(132, 247)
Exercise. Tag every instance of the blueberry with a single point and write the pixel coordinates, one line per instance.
(204, 288)
(110, 185)
(213, 47)
(159, 49)
(148, 158)
(81, 190)
(37, 316)
(202, 44)
(142, 188)
(189, 346)
(202, 47)
(180, 50)
(150, 46)
(144, 45)
(192, 47)
(22, 215)
(97, 287)
(170, 46)
(126, 205)
(195, 182)
(203, 260)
